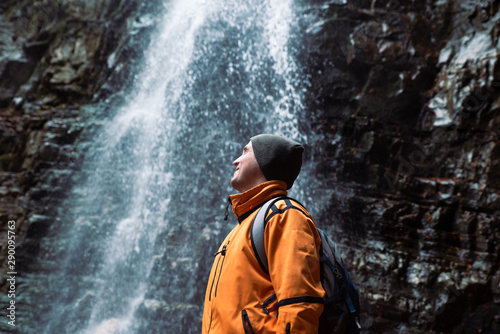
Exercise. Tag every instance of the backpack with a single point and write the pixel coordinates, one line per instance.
(341, 302)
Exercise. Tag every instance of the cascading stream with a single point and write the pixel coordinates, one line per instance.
(214, 74)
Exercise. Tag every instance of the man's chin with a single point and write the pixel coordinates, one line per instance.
(236, 185)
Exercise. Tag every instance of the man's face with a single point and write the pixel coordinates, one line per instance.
(247, 174)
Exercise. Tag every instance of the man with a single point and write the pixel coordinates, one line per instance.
(240, 296)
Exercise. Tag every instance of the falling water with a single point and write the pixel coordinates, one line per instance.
(133, 250)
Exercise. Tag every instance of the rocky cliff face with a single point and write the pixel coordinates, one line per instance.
(403, 99)
(405, 95)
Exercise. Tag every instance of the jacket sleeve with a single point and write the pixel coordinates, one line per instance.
(292, 246)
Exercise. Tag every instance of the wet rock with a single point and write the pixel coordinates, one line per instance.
(70, 62)
(59, 50)
(38, 226)
(49, 152)
(34, 142)
(8, 135)
(406, 104)
(13, 73)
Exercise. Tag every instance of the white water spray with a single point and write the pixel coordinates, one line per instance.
(214, 74)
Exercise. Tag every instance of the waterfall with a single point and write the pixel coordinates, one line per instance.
(133, 250)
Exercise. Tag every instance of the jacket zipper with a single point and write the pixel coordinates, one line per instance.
(213, 280)
(222, 252)
(288, 329)
(220, 272)
(210, 325)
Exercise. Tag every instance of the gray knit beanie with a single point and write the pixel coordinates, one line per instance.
(279, 158)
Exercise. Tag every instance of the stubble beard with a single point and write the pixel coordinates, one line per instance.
(238, 183)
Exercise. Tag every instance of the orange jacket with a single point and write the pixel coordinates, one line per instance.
(239, 296)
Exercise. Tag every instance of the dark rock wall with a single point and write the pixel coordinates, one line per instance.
(404, 100)
(405, 97)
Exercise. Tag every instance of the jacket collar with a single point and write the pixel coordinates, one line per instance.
(247, 202)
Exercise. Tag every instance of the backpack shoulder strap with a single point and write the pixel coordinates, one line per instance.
(257, 233)
(259, 226)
